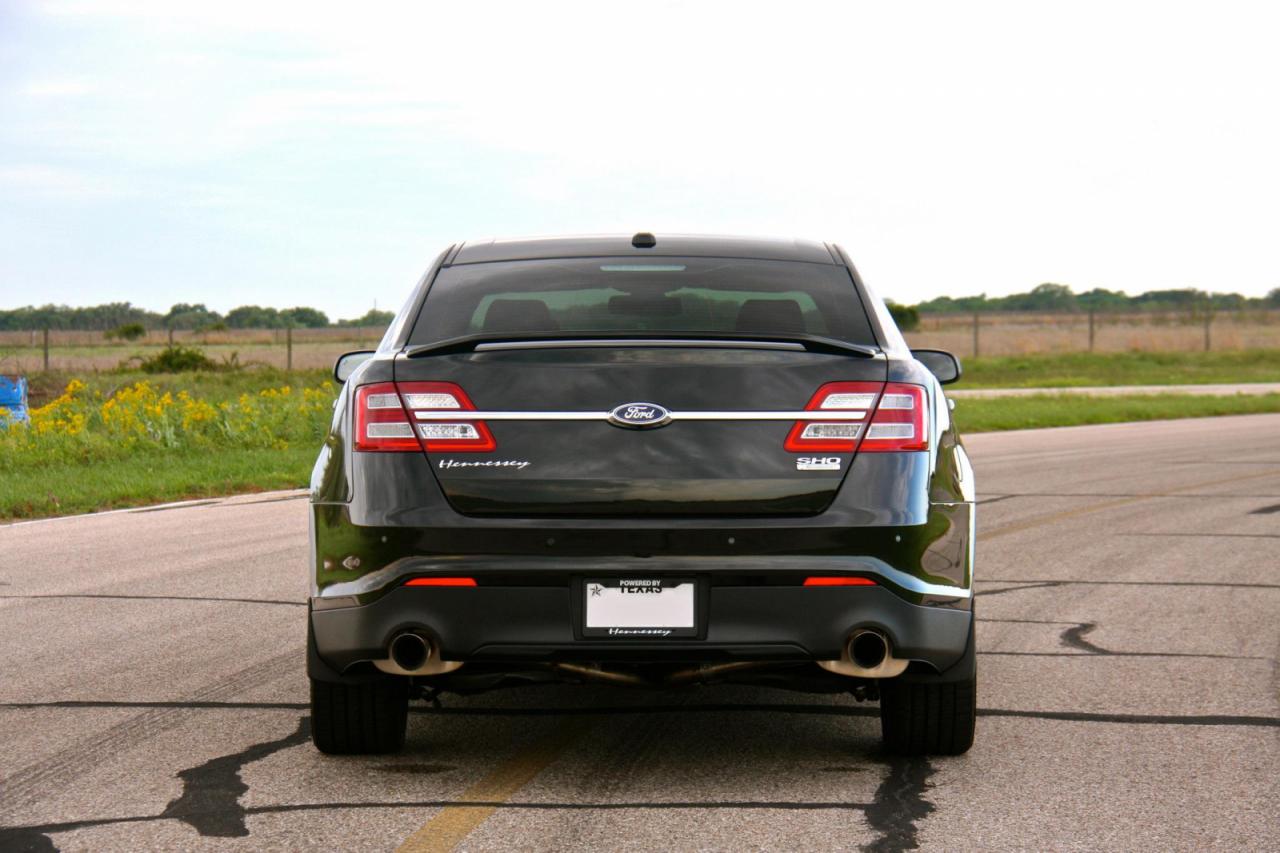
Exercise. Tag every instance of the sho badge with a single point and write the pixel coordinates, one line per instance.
(818, 463)
(639, 416)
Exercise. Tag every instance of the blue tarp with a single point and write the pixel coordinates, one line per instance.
(13, 400)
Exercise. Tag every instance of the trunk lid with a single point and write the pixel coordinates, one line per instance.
(561, 457)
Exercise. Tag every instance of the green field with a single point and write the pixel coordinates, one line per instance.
(67, 489)
(268, 438)
(43, 387)
(1126, 368)
(1055, 410)
(110, 440)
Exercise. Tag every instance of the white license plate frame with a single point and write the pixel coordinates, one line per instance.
(628, 609)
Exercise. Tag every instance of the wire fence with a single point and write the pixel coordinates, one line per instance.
(32, 350)
(985, 334)
(1009, 333)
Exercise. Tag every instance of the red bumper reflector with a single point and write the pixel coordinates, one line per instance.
(440, 582)
(833, 581)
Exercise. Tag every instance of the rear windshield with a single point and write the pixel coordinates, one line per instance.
(626, 295)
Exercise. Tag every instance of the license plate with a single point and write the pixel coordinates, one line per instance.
(639, 608)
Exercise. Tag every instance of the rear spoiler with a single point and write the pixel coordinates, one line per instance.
(797, 342)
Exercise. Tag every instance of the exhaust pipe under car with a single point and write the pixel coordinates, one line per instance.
(703, 673)
(866, 654)
(410, 653)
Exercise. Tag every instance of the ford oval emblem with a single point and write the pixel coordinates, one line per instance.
(639, 416)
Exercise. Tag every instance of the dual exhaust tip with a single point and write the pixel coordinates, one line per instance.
(867, 654)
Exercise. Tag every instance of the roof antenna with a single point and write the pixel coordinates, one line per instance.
(644, 240)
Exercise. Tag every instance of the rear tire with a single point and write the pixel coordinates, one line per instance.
(928, 719)
(367, 718)
(924, 714)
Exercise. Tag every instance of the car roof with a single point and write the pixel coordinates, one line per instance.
(665, 245)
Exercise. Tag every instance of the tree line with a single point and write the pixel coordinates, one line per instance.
(1053, 298)
(1044, 298)
(183, 316)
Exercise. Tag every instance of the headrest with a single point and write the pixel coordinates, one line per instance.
(519, 315)
(770, 315)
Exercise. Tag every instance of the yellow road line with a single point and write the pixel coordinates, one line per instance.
(1019, 526)
(454, 823)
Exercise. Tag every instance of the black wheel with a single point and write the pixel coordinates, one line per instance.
(928, 719)
(931, 714)
(359, 719)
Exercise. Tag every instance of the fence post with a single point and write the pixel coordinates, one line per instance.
(1090, 330)
(46, 349)
(288, 343)
(976, 348)
(171, 336)
(1208, 321)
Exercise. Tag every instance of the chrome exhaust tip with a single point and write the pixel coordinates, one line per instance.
(867, 653)
(409, 651)
(868, 649)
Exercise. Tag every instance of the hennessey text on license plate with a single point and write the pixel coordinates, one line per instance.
(640, 608)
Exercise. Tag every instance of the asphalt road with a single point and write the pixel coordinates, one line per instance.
(152, 690)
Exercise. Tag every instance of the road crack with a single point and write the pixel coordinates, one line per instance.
(23, 839)
(210, 798)
(66, 767)
(1073, 638)
(899, 805)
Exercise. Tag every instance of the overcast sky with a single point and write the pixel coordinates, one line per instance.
(283, 154)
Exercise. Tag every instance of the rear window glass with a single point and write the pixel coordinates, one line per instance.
(625, 295)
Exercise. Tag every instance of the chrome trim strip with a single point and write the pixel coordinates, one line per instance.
(816, 415)
(825, 415)
(510, 416)
(639, 342)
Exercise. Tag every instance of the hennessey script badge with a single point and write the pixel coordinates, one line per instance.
(519, 464)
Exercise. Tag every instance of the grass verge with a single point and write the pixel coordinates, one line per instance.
(111, 440)
(1121, 368)
(143, 479)
(1054, 410)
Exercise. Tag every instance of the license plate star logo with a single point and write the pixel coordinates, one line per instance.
(596, 589)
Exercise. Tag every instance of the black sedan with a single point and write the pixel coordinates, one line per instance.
(654, 461)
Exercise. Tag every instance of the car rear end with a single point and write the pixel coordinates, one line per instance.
(658, 464)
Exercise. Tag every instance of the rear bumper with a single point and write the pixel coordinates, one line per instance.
(537, 624)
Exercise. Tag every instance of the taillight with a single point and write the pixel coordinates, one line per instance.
(899, 422)
(399, 416)
(893, 419)
(423, 399)
(835, 436)
(381, 422)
